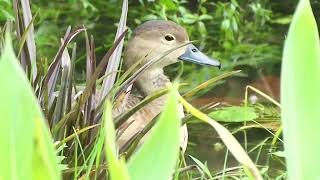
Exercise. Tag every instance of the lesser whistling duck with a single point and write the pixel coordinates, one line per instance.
(149, 40)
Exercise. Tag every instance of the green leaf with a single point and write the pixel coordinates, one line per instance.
(27, 151)
(189, 19)
(157, 156)
(149, 17)
(169, 4)
(117, 168)
(202, 29)
(234, 114)
(7, 15)
(203, 167)
(225, 24)
(282, 20)
(205, 17)
(300, 97)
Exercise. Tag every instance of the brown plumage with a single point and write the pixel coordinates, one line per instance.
(150, 40)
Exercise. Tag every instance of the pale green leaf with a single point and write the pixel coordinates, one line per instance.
(117, 168)
(234, 114)
(282, 20)
(205, 17)
(300, 97)
(157, 156)
(27, 150)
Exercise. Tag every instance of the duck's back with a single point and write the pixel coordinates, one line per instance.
(138, 120)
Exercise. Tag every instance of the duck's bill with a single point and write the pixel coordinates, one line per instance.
(193, 55)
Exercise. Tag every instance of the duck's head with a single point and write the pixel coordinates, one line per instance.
(153, 38)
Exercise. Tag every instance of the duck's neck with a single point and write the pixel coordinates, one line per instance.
(151, 81)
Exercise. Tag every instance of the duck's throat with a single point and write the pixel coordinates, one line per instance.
(152, 81)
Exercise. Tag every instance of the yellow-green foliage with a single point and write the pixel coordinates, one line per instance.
(300, 97)
(27, 150)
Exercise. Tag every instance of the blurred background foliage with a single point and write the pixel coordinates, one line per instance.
(242, 34)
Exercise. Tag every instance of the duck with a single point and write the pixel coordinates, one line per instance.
(148, 41)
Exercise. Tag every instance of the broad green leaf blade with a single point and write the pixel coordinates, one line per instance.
(300, 97)
(117, 168)
(26, 147)
(45, 164)
(157, 156)
(234, 114)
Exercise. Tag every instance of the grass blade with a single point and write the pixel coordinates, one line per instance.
(57, 60)
(19, 31)
(23, 38)
(90, 67)
(31, 44)
(87, 91)
(228, 139)
(114, 61)
(203, 167)
(77, 133)
(71, 75)
(60, 107)
(208, 83)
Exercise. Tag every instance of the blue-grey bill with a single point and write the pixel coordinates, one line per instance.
(193, 55)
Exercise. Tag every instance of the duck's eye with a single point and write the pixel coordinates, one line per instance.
(169, 37)
(194, 50)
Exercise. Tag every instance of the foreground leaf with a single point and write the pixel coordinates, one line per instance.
(117, 168)
(300, 97)
(27, 150)
(157, 156)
